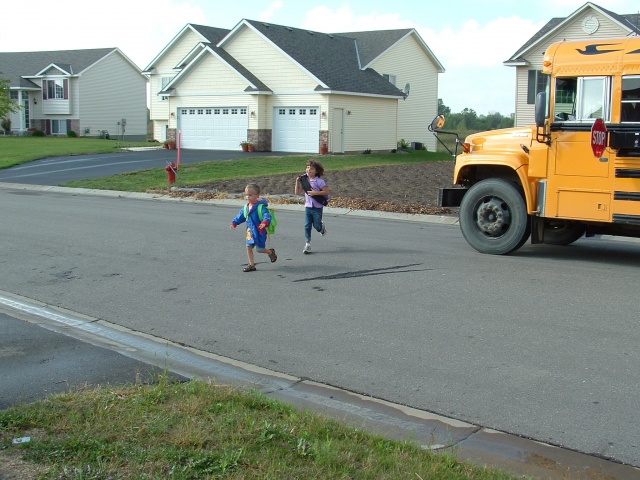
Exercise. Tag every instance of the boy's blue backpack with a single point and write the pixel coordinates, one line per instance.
(271, 228)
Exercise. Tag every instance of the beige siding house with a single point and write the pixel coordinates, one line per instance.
(588, 22)
(91, 92)
(293, 90)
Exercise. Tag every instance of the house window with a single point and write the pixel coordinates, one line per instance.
(183, 111)
(201, 111)
(281, 111)
(13, 94)
(630, 103)
(58, 127)
(389, 78)
(313, 111)
(57, 89)
(243, 111)
(216, 111)
(537, 83)
(303, 111)
(234, 111)
(292, 111)
(192, 111)
(207, 111)
(225, 111)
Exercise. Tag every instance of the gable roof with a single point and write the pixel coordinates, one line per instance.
(15, 66)
(330, 58)
(372, 44)
(338, 62)
(208, 36)
(255, 85)
(629, 22)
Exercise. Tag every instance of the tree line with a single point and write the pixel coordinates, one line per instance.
(468, 119)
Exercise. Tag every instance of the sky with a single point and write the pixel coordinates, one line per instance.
(470, 38)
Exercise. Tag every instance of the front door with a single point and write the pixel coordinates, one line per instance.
(336, 142)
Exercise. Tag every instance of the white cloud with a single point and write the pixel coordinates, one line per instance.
(344, 19)
(271, 10)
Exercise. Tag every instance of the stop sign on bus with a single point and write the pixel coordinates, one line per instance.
(598, 137)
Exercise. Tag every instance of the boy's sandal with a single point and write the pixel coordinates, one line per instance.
(249, 268)
(273, 255)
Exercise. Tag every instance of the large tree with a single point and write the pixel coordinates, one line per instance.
(7, 105)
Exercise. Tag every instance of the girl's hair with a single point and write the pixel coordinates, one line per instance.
(253, 188)
(318, 166)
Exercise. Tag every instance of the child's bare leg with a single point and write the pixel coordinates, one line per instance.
(271, 252)
(250, 255)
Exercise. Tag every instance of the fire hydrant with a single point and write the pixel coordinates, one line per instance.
(171, 172)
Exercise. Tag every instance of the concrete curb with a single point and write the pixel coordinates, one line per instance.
(407, 217)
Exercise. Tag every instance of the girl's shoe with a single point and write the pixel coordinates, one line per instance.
(272, 256)
(249, 268)
(307, 248)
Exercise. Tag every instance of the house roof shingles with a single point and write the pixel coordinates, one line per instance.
(331, 58)
(15, 65)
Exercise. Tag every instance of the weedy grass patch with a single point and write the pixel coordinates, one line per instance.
(199, 430)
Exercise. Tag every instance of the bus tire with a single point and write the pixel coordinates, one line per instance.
(494, 218)
(562, 233)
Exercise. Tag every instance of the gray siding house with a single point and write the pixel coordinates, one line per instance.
(91, 92)
(588, 22)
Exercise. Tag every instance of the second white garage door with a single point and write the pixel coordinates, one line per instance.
(296, 129)
(215, 128)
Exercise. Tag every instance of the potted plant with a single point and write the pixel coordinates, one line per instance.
(252, 147)
(169, 144)
(245, 145)
(324, 148)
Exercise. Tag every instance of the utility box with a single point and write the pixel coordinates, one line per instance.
(416, 145)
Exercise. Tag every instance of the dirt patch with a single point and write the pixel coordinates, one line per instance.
(400, 189)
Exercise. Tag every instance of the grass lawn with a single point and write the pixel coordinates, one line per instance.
(17, 150)
(199, 430)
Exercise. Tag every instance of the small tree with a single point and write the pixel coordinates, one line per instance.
(7, 105)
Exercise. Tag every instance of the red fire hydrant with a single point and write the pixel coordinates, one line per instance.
(171, 172)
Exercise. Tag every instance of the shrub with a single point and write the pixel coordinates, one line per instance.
(38, 133)
(71, 134)
(402, 144)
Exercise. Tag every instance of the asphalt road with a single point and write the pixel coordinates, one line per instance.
(58, 170)
(36, 362)
(542, 343)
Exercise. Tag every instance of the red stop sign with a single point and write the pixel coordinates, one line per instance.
(598, 137)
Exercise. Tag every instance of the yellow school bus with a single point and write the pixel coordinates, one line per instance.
(552, 182)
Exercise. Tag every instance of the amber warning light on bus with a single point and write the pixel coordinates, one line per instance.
(598, 137)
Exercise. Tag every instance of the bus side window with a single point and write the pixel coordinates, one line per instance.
(629, 108)
(630, 112)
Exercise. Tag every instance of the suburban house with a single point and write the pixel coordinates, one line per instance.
(92, 92)
(293, 90)
(588, 22)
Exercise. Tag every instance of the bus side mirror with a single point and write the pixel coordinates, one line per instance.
(541, 109)
(437, 123)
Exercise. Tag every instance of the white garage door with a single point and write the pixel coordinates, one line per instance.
(296, 129)
(215, 128)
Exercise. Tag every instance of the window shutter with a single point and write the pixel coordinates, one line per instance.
(68, 124)
(44, 89)
(65, 86)
(531, 87)
(47, 127)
